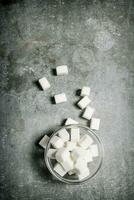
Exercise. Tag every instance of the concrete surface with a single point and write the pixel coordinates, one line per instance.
(96, 40)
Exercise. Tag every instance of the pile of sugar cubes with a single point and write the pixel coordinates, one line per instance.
(82, 104)
(72, 151)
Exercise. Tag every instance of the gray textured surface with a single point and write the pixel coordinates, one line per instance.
(96, 40)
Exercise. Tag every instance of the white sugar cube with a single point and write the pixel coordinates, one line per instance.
(68, 164)
(62, 70)
(95, 123)
(60, 98)
(80, 153)
(88, 156)
(83, 103)
(62, 155)
(51, 153)
(85, 141)
(84, 174)
(59, 169)
(70, 121)
(85, 91)
(44, 83)
(70, 145)
(94, 150)
(64, 135)
(75, 134)
(88, 113)
(44, 141)
(80, 165)
(77, 153)
(57, 142)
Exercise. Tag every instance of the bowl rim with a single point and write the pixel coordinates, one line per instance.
(62, 179)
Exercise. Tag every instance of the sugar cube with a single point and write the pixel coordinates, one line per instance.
(94, 150)
(59, 169)
(62, 155)
(88, 113)
(88, 156)
(85, 91)
(83, 103)
(44, 141)
(70, 121)
(75, 134)
(62, 70)
(84, 174)
(77, 153)
(67, 164)
(95, 123)
(85, 141)
(64, 135)
(80, 165)
(60, 98)
(44, 83)
(51, 153)
(70, 145)
(57, 142)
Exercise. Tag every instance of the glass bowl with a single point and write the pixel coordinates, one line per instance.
(93, 166)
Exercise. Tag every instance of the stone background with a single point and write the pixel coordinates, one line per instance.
(96, 40)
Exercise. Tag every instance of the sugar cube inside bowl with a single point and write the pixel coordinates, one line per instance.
(75, 154)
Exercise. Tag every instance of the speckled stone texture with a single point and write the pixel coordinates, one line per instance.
(96, 40)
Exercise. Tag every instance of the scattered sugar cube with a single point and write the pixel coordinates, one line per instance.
(77, 153)
(59, 169)
(51, 153)
(68, 164)
(70, 121)
(83, 103)
(44, 83)
(57, 142)
(75, 134)
(62, 155)
(70, 145)
(44, 141)
(85, 91)
(95, 123)
(84, 174)
(94, 150)
(88, 113)
(64, 135)
(62, 70)
(60, 98)
(85, 141)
